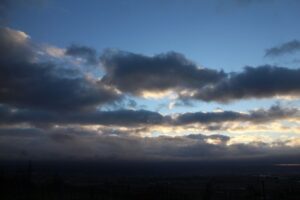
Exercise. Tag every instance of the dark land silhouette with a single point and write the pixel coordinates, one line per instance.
(148, 180)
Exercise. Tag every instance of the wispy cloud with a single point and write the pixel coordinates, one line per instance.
(285, 48)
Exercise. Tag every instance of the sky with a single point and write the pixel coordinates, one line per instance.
(149, 80)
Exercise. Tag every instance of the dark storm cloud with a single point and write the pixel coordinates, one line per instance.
(83, 52)
(135, 73)
(256, 116)
(285, 48)
(119, 117)
(38, 86)
(260, 82)
(24, 82)
(209, 117)
(131, 118)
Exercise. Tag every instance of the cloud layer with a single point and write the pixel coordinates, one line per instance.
(73, 144)
(50, 109)
(129, 118)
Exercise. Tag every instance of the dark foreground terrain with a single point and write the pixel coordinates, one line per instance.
(148, 181)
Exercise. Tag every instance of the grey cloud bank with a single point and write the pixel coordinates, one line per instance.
(255, 116)
(73, 144)
(129, 118)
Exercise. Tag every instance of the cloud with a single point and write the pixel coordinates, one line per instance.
(135, 73)
(255, 116)
(173, 72)
(83, 52)
(36, 92)
(119, 117)
(77, 144)
(214, 139)
(15, 46)
(27, 82)
(285, 48)
(54, 51)
(253, 82)
(58, 108)
(135, 118)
